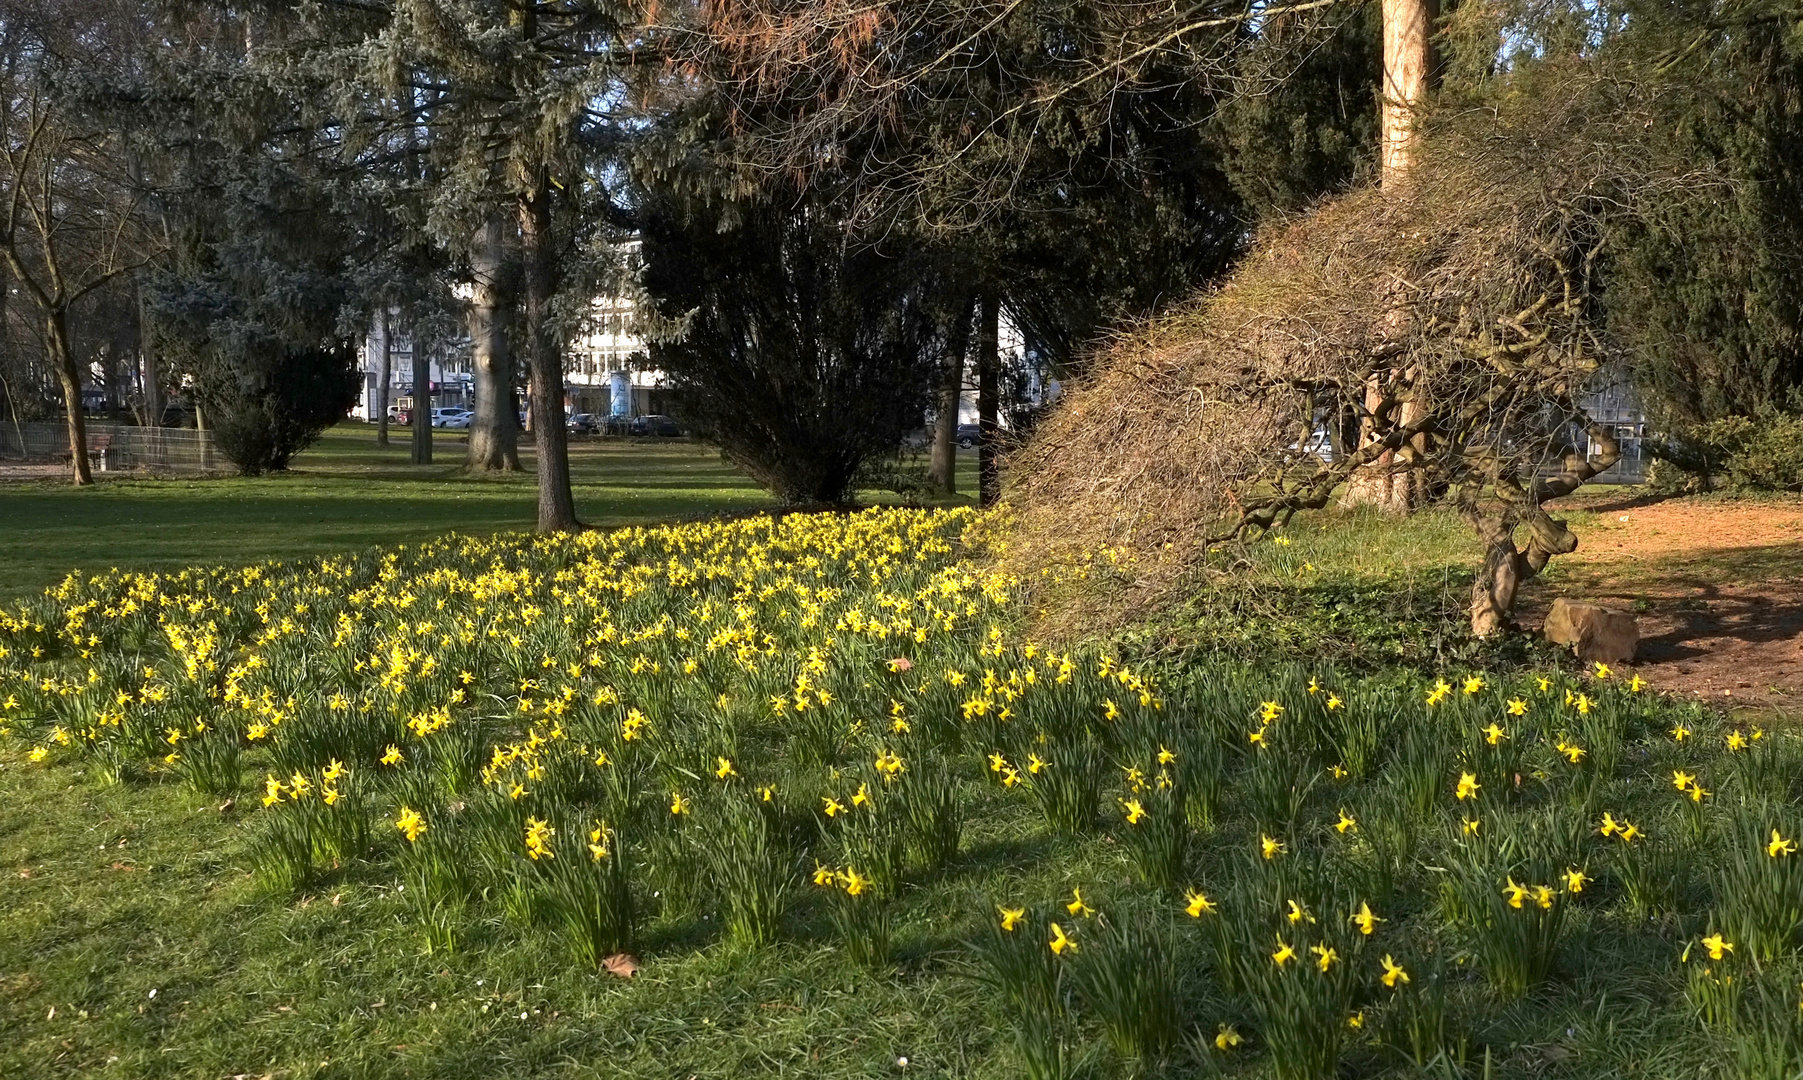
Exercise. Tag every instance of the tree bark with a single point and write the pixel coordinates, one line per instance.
(422, 407)
(495, 425)
(153, 384)
(379, 343)
(943, 469)
(989, 362)
(62, 358)
(1408, 67)
(544, 361)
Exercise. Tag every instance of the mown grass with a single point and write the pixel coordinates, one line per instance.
(346, 493)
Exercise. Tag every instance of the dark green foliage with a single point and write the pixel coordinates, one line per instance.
(798, 357)
(1308, 127)
(263, 416)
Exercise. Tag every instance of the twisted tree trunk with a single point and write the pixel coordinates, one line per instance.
(544, 361)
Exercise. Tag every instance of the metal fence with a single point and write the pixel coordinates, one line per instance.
(119, 448)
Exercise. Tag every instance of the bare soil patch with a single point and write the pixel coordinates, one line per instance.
(1717, 585)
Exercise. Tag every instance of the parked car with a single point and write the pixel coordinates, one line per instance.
(969, 435)
(655, 425)
(451, 418)
(583, 423)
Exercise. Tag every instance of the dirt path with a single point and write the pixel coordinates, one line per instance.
(1716, 584)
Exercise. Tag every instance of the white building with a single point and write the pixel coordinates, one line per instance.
(603, 370)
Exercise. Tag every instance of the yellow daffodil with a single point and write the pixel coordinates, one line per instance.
(1077, 906)
(678, 804)
(1284, 954)
(1780, 846)
(1226, 1037)
(410, 823)
(1468, 786)
(1518, 707)
(1197, 905)
(1515, 893)
(1061, 942)
(1575, 880)
(1134, 810)
(1439, 692)
(1682, 779)
(1346, 823)
(1494, 734)
(1393, 972)
(1011, 917)
(392, 756)
(1365, 919)
(1325, 956)
(1269, 847)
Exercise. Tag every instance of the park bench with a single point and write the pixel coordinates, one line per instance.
(100, 450)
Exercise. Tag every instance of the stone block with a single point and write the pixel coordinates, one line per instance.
(1593, 631)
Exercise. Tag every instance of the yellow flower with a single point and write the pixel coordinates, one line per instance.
(1256, 738)
(393, 756)
(1269, 711)
(538, 835)
(1077, 906)
(1780, 846)
(1365, 919)
(1736, 741)
(1346, 823)
(1165, 757)
(1393, 972)
(767, 793)
(855, 883)
(597, 846)
(1284, 953)
(678, 804)
(1636, 684)
(824, 875)
(1573, 752)
(1697, 794)
(1439, 692)
(997, 763)
(37, 754)
(1011, 917)
(1609, 826)
(1298, 913)
(1035, 763)
(1324, 956)
(861, 797)
(1061, 941)
(1518, 707)
(272, 791)
(1471, 826)
(1682, 779)
(1628, 832)
(333, 770)
(832, 806)
(1474, 684)
(1134, 811)
(1338, 772)
(1574, 880)
(1543, 896)
(1226, 1038)
(724, 769)
(1494, 734)
(1680, 732)
(1515, 893)
(1468, 786)
(1356, 1021)
(1545, 684)
(1333, 701)
(1584, 703)
(1198, 905)
(1717, 945)
(1268, 847)
(410, 823)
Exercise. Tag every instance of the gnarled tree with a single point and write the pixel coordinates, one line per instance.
(1456, 321)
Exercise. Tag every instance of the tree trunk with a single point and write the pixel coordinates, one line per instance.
(153, 385)
(989, 362)
(422, 407)
(544, 362)
(1408, 66)
(56, 339)
(943, 469)
(379, 345)
(495, 425)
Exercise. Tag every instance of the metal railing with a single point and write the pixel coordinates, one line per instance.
(119, 448)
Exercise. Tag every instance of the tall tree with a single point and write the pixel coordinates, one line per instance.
(71, 215)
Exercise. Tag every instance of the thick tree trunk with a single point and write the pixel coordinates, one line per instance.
(495, 425)
(422, 407)
(943, 469)
(379, 345)
(544, 363)
(989, 462)
(62, 359)
(1408, 67)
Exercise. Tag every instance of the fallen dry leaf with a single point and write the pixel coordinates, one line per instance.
(625, 965)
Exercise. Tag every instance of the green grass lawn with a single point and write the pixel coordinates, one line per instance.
(343, 494)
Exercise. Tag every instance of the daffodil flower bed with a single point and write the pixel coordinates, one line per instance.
(777, 728)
